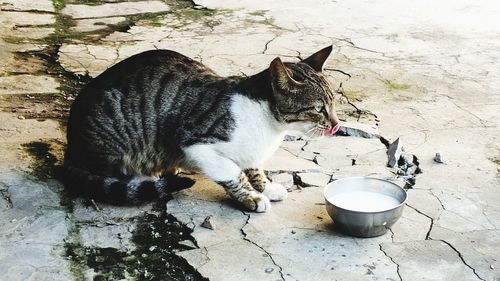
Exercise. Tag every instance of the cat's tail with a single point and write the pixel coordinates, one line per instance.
(120, 190)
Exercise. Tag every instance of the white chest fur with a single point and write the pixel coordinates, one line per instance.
(257, 134)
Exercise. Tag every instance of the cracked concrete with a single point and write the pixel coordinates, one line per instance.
(430, 78)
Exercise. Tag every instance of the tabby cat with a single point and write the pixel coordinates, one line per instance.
(159, 110)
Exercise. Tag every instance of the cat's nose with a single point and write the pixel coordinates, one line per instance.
(334, 126)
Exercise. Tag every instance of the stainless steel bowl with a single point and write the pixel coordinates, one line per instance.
(364, 223)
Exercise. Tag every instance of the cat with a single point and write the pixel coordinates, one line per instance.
(159, 110)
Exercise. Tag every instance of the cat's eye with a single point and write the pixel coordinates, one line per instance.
(319, 108)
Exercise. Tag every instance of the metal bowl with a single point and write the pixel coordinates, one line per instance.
(382, 205)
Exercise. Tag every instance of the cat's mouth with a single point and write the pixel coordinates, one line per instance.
(332, 130)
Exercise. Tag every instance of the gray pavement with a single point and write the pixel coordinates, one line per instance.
(426, 72)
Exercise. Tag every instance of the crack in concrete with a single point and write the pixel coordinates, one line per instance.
(207, 258)
(340, 91)
(483, 122)
(392, 234)
(392, 260)
(33, 11)
(473, 222)
(461, 257)
(117, 56)
(269, 42)
(298, 156)
(438, 199)
(425, 215)
(243, 233)
(427, 237)
(352, 45)
(483, 211)
(349, 76)
(74, 60)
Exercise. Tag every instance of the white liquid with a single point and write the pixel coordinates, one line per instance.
(364, 201)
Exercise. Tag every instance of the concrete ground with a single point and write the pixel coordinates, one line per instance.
(426, 72)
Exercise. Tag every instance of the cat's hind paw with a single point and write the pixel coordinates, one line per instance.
(275, 191)
(256, 202)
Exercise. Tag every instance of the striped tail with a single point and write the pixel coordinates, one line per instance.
(121, 190)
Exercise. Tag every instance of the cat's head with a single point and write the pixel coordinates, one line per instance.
(304, 99)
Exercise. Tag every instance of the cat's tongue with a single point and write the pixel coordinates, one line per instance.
(330, 132)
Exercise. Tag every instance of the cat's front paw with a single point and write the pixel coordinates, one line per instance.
(275, 191)
(256, 202)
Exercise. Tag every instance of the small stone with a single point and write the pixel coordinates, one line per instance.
(293, 232)
(407, 158)
(269, 270)
(20, 117)
(284, 179)
(492, 266)
(152, 248)
(187, 243)
(394, 153)
(208, 223)
(439, 158)
(359, 130)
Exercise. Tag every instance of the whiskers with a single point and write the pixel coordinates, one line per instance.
(317, 131)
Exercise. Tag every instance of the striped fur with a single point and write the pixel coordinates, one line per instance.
(159, 110)
(257, 178)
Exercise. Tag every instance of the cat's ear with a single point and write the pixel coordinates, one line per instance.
(279, 73)
(318, 59)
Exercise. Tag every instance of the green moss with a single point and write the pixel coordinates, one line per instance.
(393, 86)
(207, 17)
(260, 18)
(61, 30)
(73, 250)
(204, 16)
(258, 13)
(355, 95)
(153, 21)
(184, 11)
(58, 4)
(194, 15)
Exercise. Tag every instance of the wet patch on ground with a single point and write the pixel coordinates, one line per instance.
(45, 156)
(156, 237)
